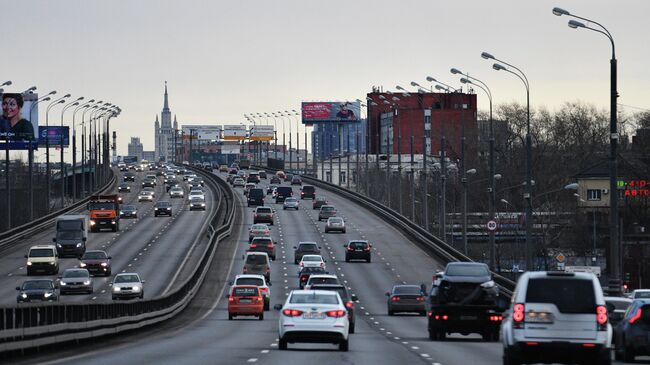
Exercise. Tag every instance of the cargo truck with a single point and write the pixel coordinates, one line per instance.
(104, 212)
(71, 235)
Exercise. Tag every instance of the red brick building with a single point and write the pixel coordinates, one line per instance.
(414, 115)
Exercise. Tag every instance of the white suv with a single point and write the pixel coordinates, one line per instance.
(557, 317)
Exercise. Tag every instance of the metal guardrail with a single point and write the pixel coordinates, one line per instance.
(39, 325)
(9, 237)
(424, 239)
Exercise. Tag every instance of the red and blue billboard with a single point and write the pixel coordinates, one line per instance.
(331, 112)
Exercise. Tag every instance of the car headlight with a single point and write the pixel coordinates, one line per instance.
(48, 294)
(203, 204)
(116, 288)
(87, 282)
(104, 264)
(112, 222)
(52, 263)
(29, 263)
(83, 264)
(58, 245)
(78, 244)
(24, 295)
(63, 283)
(136, 288)
(92, 223)
(487, 284)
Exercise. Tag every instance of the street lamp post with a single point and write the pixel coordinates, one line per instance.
(464, 182)
(31, 158)
(615, 257)
(529, 153)
(62, 165)
(60, 100)
(74, 147)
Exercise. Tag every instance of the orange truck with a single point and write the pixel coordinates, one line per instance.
(104, 212)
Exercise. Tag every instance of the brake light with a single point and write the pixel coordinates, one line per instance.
(601, 317)
(292, 312)
(419, 299)
(270, 245)
(349, 304)
(264, 290)
(636, 316)
(395, 299)
(496, 318)
(253, 245)
(267, 232)
(302, 264)
(438, 317)
(518, 315)
(350, 249)
(271, 215)
(255, 215)
(231, 299)
(336, 313)
(303, 278)
(302, 193)
(366, 249)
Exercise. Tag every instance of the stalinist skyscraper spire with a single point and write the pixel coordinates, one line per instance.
(165, 133)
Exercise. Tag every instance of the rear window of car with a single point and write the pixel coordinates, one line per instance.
(245, 292)
(642, 295)
(256, 259)
(256, 193)
(467, 270)
(569, 295)
(163, 204)
(250, 281)
(343, 293)
(407, 290)
(312, 258)
(263, 210)
(358, 244)
(284, 189)
(308, 247)
(314, 280)
(313, 298)
(308, 189)
(262, 240)
(327, 209)
(336, 220)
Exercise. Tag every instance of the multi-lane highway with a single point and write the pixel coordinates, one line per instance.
(208, 337)
(152, 246)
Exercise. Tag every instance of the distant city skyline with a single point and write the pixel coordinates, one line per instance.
(226, 59)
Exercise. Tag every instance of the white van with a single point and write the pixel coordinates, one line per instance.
(557, 317)
(42, 259)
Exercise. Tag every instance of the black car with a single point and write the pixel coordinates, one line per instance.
(358, 250)
(305, 248)
(307, 192)
(306, 272)
(288, 177)
(283, 193)
(148, 183)
(275, 180)
(262, 174)
(632, 333)
(128, 211)
(129, 176)
(347, 299)
(406, 298)
(162, 208)
(42, 290)
(124, 188)
(296, 180)
(255, 196)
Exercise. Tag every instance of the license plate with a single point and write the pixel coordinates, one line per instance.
(313, 315)
(244, 301)
(539, 317)
(102, 222)
(358, 250)
(468, 318)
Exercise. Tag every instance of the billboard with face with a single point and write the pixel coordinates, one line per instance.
(19, 121)
(330, 112)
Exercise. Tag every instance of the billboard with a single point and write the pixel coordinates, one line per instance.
(262, 133)
(330, 112)
(230, 149)
(19, 121)
(52, 136)
(203, 132)
(234, 132)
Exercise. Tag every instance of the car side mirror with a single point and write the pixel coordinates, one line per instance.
(143, 281)
(269, 284)
(54, 239)
(17, 288)
(110, 257)
(345, 246)
(84, 239)
(320, 248)
(230, 283)
(324, 260)
(277, 307)
(423, 288)
(56, 286)
(25, 256)
(370, 245)
(59, 277)
(243, 257)
(294, 247)
(388, 294)
(354, 298)
(227, 295)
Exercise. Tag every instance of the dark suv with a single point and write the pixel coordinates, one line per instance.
(129, 176)
(308, 192)
(255, 196)
(306, 272)
(305, 248)
(283, 193)
(296, 180)
(347, 299)
(357, 250)
(162, 208)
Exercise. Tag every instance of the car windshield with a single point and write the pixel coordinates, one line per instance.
(263, 210)
(37, 284)
(467, 270)
(176, 189)
(262, 241)
(570, 295)
(404, 289)
(259, 227)
(311, 258)
(41, 252)
(196, 192)
(358, 245)
(101, 206)
(327, 209)
(336, 220)
(197, 199)
(127, 279)
(75, 274)
(163, 204)
(69, 235)
(245, 292)
(308, 247)
(250, 281)
(96, 255)
(256, 259)
(291, 200)
(642, 295)
(313, 298)
(128, 208)
(313, 280)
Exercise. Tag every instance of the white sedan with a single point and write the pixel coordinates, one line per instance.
(313, 316)
(312, 261)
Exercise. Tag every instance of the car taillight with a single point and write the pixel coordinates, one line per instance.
(419, 299)
(271, 215)
(496, 318)
(303, 278)
(601, 317)
(270, 245)
(253, 245)
(518, 315)
(255, 215)
(302, 264)
(349, 304)
(264, 290)
(267, 232)
(395, 299)
(292, 312)
(439, 317)
(302, 193)
(366, 249)
(636, 316)
(350, 249)
(336, 313)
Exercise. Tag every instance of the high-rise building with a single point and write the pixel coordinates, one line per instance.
(135, 148)
(326, 138)
(164, 133)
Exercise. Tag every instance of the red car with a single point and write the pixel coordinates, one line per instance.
(245, 300)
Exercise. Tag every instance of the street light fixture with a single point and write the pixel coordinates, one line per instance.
(6, 83)
(614, 263)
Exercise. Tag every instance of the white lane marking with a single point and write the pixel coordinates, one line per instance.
(253, 359)
(264, 351)
(415, 347)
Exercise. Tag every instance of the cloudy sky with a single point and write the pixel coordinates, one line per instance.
(226, 58)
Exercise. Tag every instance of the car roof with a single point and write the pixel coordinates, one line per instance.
(249, 276)
(329, 276)
(554, 274)
(307, 243)
(127, 273)
(256, 253)
(43, 246)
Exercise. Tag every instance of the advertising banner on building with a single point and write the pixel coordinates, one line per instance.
(52, 135)
(203, 132)
(19, 121)
(330, 112)
(234, 132)
(230, 149)
(262, 133)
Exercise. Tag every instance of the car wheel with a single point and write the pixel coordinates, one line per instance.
(261, 316)
(628, 354)
(267, 306)
(282, 345)
(112, 297)
(391, 313)
(284, 208)
(352, 327)
(347, 259)
(604, 357)
(509, 358)
(326, 231)
(343, 345)
(29, 272)
(230, 317)
(368, 261)
(344, 231)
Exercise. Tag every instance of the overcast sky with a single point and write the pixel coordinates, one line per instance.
(226, 58)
